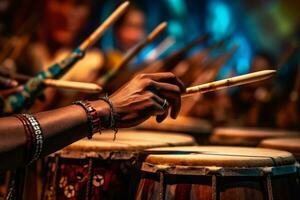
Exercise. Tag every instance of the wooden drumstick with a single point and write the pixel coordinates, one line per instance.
(10, 91)
(154, 34)
(72, 85)
(104, 26)
(230, 82)
(16, 76)
(133, 52)
(8, 82)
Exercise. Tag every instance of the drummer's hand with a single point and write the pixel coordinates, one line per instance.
(144, 96)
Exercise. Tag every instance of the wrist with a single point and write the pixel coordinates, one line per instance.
(103, 112)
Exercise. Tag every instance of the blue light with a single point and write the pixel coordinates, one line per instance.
(219, 19)
(243, 54)
(175, 29)
(177, 7)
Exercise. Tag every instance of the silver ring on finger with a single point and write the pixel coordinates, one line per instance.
(165, 104)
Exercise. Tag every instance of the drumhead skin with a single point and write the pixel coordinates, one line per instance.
(246, 136)
(217, 172)
(130, 140)
(288, 144)
(218, 156)
(181, 124)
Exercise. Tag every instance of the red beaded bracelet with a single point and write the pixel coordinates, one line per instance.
(93, 121)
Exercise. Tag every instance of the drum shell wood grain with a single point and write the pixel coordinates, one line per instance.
(190, 180)
(238, 136)
(102, 168)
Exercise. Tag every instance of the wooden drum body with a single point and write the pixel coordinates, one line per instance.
(231, 136)
(101, 168)
(211, 172)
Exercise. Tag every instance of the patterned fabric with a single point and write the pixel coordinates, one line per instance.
(76, 178)
(16, 102)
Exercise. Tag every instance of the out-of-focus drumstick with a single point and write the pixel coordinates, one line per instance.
(230, 82)
(287, 55)
(10, 91)
(154, 34)
(133, 52)
(160, 49)
(16, 76)
(71, 85)
(104, 26)
(8, 82)
(173, 59)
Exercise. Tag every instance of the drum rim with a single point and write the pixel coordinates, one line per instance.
(103, 155)
(220, 171)
(255, 133)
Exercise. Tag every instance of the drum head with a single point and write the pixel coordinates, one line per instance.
(288, 144)
(246, 136)
(218, 156)
(130, 140)
(149, 138)
(181, 124)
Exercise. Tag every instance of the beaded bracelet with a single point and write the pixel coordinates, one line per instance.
(114, 117)
(34, 135)
(93, 121)
(38, 136)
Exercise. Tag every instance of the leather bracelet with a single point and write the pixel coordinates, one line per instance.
(93, 121)
(114, 117)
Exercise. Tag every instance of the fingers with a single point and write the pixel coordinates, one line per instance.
(162, 117)
(155, 103)
(171, 93)
(147, 105)
(166, 77)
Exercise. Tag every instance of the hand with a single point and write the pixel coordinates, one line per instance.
(144, 96)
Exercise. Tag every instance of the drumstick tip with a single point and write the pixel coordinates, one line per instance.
(125, 4)
(164, 24)
(266, 72)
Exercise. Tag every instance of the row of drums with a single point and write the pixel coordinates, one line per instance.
(177, 160)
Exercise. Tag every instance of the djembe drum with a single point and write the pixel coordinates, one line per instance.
(230, 136)
(291, 145)
(199, 129)
(212, 172)
(101, 168)
(287, 144)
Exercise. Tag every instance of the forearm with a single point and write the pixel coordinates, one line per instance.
(60, 127)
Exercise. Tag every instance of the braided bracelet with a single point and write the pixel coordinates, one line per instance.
(93, 121)
(29, 137)
(114, 117)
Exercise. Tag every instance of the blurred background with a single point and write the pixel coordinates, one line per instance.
(244, 36)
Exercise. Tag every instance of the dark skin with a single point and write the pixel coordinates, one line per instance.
(135, 102)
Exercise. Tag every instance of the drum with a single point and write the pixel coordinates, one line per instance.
(199, 129)
(246, 136)
(287, 144)
(212, 172)
(102, 168)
